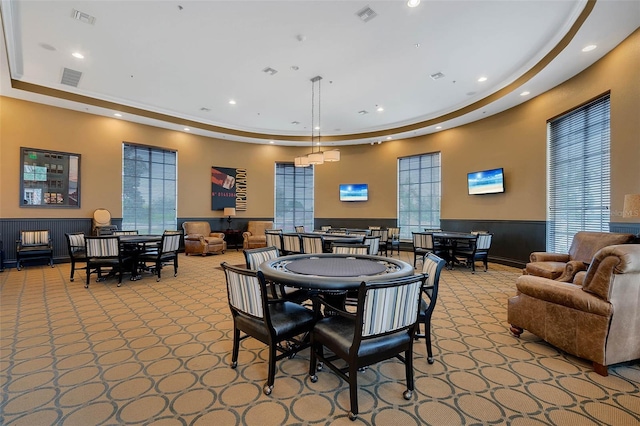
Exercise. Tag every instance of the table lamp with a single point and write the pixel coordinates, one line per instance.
(229, 211)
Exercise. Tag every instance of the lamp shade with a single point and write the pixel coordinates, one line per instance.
(229, 211)
(302, 161)
(331, 156)
(631, 205)
(316, 158)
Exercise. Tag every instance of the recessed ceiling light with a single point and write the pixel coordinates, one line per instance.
(117, 114)
(77, 55)
(317, 127)
(380, 109)
(232, 102)
(589, 48)
(186, 129)
(438, 127)
(525, 93)
(270, 141)
(389, 138)
(413, 3)
(481, 79)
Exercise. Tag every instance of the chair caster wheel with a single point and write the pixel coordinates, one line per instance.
(407, 394)
(71, 279)
(158, 279)
(234, 364)
(119, 284)
(430, 360)
(352, 416)
(267, 389)
(313, 378)
(320, 366)
(86, 286)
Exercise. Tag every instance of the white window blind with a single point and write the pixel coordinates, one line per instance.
(418, 193)
(578, 174)
(149, 189)
(293, 197)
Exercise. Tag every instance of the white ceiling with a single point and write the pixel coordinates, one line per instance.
(176, 57)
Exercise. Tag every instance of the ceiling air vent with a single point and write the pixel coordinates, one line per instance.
(436, 76)
(205, 109)
(269, 71)
(70, 77)
(366, 14)
(83, 17)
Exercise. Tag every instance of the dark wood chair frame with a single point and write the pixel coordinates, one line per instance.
(27, 251)
(77, 253)
(432, 266)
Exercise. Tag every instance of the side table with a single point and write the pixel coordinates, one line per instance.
(233, 237)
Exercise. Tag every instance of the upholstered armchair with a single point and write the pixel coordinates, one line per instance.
(254, 236)
(198, 239)
(563, 267)
(597, 320)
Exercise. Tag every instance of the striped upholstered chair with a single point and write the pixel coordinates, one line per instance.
(270, 321)
(382, 327)
(77, 250)
(431, 266)
(34, 245)
(105, 252)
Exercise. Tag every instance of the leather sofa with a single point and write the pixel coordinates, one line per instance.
(563, 267)
(254, 236)
(198, 239)
(597, 320)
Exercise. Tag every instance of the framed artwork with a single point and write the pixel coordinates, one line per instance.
(228, 188)
(49, 179)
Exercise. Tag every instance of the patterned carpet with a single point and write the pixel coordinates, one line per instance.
(154, 353)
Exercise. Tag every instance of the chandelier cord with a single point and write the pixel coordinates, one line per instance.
(313, 103)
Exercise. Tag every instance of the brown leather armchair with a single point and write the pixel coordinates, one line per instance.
(198, 239)
(597, 320)
(254, 236)
(563, 267)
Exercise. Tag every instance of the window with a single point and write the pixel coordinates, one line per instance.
(418, 193)
(149, 190)
(294, 197)
(578, 174)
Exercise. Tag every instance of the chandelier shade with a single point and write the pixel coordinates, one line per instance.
(316, 158)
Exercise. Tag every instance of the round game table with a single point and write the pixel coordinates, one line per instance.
(332, 272)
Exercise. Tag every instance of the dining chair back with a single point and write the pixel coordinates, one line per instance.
(254, 257)
(299, 228)
(346, 248)
(271, 321)
(393, 239)
(105, 251)
(382, 327)
(312, 243)
(274, 238)
(125, 232)
(374, 244)
(478, 250)
(422, 244)
(166, 252)
(291, 243)
(431, 267)
(77, 251)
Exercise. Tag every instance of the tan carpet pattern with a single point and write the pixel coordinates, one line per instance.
(152, 353)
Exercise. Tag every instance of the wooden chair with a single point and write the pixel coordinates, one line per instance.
(166, 252)
(382, 327)
(77, 251)
(393, 239)
(312, 243)
(431, 266)
(422, 244)
(271, 321)
(291, 243)
(106, 251)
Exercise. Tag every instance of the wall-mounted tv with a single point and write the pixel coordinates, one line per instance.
(354, 192)
(486, 181)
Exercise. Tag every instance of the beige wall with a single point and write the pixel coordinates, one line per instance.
(515, 140)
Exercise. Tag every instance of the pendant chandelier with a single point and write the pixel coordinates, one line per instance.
(316, 157)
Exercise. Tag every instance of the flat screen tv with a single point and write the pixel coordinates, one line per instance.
(486, 181)
(354, 192)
